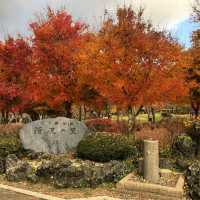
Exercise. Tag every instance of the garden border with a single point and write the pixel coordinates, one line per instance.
(176, 192)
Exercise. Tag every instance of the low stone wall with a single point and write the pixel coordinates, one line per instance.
(63, 172)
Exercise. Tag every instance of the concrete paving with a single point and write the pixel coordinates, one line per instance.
(12, 193)
(9, 195)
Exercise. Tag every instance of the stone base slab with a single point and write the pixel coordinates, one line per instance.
(162, 192)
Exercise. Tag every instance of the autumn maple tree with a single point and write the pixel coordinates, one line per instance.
(15, 59)
(132, 65)
(194, 65)
(126, 63)
(55, 42)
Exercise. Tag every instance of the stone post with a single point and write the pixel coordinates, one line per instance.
(151, 161)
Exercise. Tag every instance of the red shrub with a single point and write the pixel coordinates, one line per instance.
(10, 129)
(165, 131)
(160, 134)
(107, 125)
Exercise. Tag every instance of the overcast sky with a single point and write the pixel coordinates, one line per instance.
(15, 15)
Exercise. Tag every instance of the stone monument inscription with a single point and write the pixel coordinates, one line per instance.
(57, 135)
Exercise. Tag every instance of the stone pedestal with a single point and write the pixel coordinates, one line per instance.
(151, 161)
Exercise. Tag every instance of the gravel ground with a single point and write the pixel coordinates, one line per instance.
(170, 180)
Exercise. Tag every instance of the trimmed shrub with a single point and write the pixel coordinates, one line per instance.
(193, 129)
(104, 147)
(107, 125)
(184, 146)
(160, 134)
(9, 145)
(10, 129)
(166, 114)
(193, 180)
(175, 126)
(9, 139)
(164, 131)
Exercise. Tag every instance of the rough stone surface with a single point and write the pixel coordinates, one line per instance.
(11, 161)
(17, 170)
(56, 135)
(153, 191)
(78, 173)
(48, 168)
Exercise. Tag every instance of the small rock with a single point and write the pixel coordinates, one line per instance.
(87, 173)
(183, 164)
(20, 172)
(49, 167)
(33, 178)
(33, 155)
(11, 161)
(46, 169)
(2, 166)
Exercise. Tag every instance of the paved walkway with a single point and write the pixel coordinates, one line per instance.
(8, 195)
(11, 193)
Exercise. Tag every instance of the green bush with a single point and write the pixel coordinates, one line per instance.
(103, 147)
(184, 146)
(166, 114)
(193, 129)
(9, 145)
(140, 146)
(107, 125)
(193, 180)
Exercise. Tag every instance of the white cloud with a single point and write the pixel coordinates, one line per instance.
(167, 12)
(16, 14)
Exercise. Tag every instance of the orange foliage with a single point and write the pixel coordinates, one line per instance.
(56, 41)
(129, 63)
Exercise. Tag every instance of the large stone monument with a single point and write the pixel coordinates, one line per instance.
(56, 135)
(151, 161)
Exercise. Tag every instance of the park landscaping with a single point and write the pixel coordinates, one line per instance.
(80, 110)
(100, 162)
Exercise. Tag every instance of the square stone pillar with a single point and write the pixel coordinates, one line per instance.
(151, 161)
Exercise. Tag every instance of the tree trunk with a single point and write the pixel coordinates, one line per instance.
(34, 115)
(68, 109)
(148, 110)
(118, 116)
(132, 118)
(153, 114)
(5, 117)
(80, 113)
(99, 114)
(85, 112)
(195, 107)
(108, 112)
